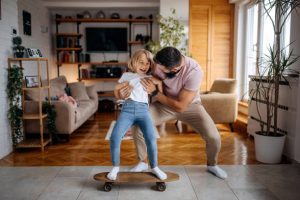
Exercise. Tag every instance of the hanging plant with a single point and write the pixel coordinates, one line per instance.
(14, 95)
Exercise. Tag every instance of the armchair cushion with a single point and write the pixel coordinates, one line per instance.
(221, 101)
(224, 85)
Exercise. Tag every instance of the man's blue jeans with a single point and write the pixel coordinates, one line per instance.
(134, 113)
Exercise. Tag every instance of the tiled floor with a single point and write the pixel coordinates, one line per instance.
(253, 182)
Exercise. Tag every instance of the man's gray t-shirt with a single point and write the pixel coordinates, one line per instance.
(189, 78)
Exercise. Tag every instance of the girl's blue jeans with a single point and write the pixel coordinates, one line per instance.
(134, 113)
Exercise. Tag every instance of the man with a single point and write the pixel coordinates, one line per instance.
(175, 89)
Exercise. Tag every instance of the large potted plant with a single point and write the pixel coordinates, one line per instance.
(272, 69)
(171, 34)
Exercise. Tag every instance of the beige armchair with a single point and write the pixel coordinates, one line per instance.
(220, 102)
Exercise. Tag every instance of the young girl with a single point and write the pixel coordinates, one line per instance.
(135, 111)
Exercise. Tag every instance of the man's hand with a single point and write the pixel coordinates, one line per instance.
(148, 85)
(123, 90)
(157, 82)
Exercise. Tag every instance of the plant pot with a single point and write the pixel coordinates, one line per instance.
(19, 54)
(268, 149)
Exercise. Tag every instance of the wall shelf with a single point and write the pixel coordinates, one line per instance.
(68, 49)
(92, 20)
(136, 42)
(76, 52)
(68, 35)
(27, 59)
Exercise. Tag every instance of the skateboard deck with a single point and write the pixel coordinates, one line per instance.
(136, 177)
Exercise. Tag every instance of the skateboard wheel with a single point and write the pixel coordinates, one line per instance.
(161, 186)
(107, 187)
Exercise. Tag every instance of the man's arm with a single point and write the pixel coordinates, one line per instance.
(180, 105)
(185, 96)
(122, 90)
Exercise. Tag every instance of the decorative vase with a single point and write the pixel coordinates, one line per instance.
(19, 54)
(268, 149)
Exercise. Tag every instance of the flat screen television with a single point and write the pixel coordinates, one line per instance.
(106, 39)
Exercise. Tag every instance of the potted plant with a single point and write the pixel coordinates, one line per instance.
(18, 49)
(269, 140)
(171, 34)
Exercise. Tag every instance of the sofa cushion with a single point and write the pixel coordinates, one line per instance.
(58, 86)
(78, 91)
(84, 110)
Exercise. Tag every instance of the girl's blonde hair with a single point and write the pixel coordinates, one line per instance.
(135, 57)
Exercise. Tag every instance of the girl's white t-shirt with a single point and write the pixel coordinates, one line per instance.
(138, 93)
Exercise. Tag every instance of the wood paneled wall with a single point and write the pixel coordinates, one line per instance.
(211, 38)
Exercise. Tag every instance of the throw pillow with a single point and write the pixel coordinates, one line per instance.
(78, 91)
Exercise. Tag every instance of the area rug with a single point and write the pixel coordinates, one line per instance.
(128, 135)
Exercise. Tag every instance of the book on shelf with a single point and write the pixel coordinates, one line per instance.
(84, 73)
(65, 42)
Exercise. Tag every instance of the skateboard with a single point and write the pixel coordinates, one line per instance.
(136, 177)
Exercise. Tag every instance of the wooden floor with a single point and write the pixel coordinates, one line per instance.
(88, 147)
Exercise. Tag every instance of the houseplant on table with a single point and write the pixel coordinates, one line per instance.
(18, 49)
(269, 141)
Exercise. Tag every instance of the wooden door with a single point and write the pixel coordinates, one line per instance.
(200, 39)
(211, 38)
(222, 51)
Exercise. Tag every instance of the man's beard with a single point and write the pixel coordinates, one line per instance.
(171, 74)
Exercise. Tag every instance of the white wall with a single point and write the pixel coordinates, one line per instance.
(181, 7)
(8, 20)
(295, 29)
(12, 18)
(239, 48)
(37, 40)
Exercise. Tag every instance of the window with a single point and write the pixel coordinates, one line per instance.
(259, 37)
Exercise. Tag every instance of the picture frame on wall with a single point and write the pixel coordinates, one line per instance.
(32, 81)
(34, 53)
(26, 23)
